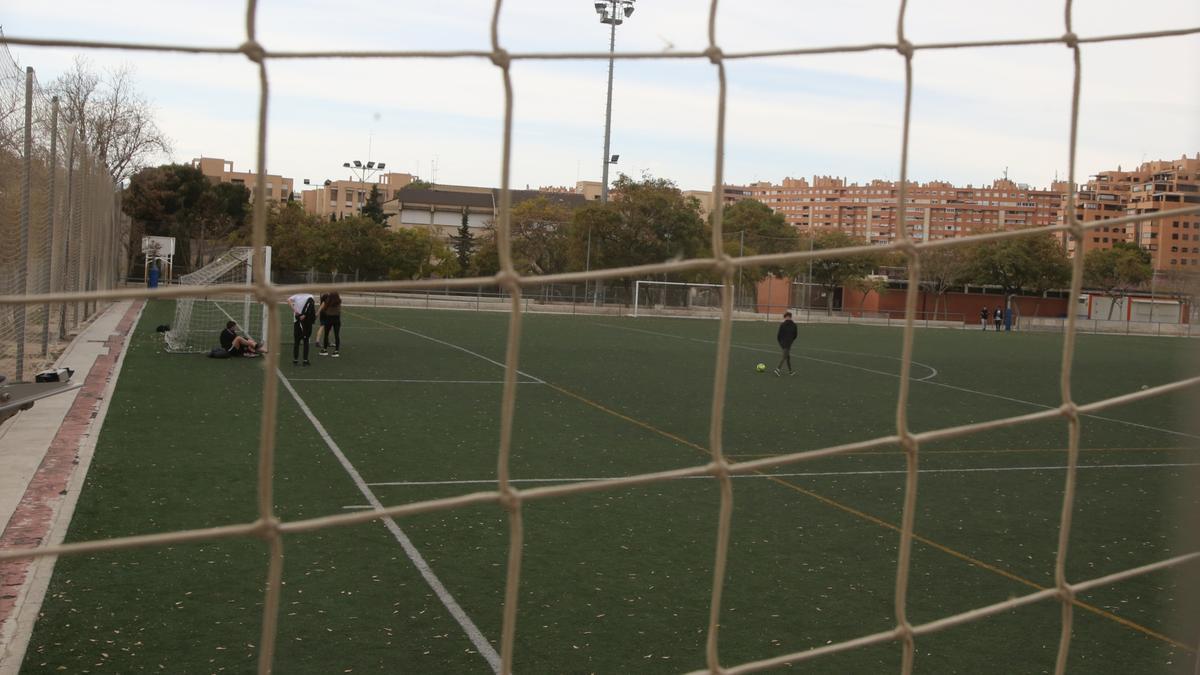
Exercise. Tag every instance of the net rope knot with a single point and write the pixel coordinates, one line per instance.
(508, 280)
(253, 51)
(510, 499)
(714, 54)
(1066, 593)
(1069, 410)
(1077, 229)
(501, 58)
(267, 528)
(905, 49)
(1071, 40)
(724, 265)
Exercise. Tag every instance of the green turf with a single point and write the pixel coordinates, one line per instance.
(619, 580)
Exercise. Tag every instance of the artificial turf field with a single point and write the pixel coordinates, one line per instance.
(619, 580)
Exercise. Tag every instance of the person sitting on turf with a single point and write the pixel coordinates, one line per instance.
(238, 345)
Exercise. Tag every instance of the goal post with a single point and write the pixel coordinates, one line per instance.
(198, 321)
(667, 297)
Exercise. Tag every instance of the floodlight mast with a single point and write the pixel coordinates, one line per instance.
(613, 13)
(364, 171)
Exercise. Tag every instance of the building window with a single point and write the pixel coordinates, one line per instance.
(1175, 235)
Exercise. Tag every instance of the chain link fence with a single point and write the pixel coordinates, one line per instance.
(61, 227)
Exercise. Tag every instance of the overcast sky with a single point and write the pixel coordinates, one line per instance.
(976, 112)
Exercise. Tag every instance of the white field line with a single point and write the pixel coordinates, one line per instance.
(924, 380)
(473, 633)
(800, 474)
(351, 379)
(477, 355)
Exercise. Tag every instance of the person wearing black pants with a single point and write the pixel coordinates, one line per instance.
(304, 311)
(785, 337)
(331, 321)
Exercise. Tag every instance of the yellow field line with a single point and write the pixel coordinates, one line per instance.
(861, 514)
(993, 451)
(883, 523)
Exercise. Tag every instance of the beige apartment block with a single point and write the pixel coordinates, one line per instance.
(934, 210)
(278, 188)
(337, 199)
(441, 210)
(1158, 187)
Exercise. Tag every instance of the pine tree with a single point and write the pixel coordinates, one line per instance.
(464, 245)
(373, 209)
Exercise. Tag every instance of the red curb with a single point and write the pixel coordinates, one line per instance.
(34, 515)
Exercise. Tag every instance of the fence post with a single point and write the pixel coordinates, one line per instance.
(26, 188)
(50, 224)
(69, 233)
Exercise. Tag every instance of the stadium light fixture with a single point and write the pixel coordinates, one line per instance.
(614, 159)
(357, 164)
(613, 13)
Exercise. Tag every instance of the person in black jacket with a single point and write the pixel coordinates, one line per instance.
(785, 337)
(237, 345)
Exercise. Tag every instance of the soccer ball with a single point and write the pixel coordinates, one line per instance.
(762, 367)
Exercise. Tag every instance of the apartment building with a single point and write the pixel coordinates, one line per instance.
(935, 210)
(1157, 187)
(337, 199)
(278, 188)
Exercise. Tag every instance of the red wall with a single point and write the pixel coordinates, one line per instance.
(774, 295)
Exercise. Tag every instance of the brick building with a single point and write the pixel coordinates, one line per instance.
(935, 210)
(278, 188)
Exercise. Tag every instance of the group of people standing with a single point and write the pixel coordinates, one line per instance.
(997, 317)
(306, 311)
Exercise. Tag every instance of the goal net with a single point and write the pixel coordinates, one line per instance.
(675, 298)
(198, 321)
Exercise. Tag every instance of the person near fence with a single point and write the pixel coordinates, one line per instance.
(304, 312)
(983, 317)
(331, 321)
(238, 345)
(785, 336)
(998, 317)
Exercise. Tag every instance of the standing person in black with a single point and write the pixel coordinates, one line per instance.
(304, 311)
(983, 316)
(999, 317)
(331, 321)
(785, 337)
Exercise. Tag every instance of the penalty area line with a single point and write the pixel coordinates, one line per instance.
(473, 633)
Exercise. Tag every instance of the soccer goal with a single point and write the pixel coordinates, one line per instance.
(675, 297)
(198, 321)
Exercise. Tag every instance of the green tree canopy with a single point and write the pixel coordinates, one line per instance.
(1117, 270)
(647, 221)
(1032, 262)
(373, 209)
(752, 228)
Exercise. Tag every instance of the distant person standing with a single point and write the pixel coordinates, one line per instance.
(998, 317)
(983, 317)
(304, 313)
(331, 321)
(785, 337)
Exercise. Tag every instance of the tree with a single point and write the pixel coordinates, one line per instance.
(942, 269)
(647, 221)
(176, 200)
(833, 273)
(114, 120)
(538, 229)
(464, 244)
(418, 184)
(373, 209)
(866, 285)
(752, 228)
(1024, 262)
(1117, 270)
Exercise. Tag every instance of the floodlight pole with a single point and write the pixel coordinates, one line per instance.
(612, 42)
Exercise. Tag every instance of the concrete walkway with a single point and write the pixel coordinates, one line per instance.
(44, 456)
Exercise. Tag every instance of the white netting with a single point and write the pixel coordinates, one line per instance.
(511, 499)
(670, 297)
(198, 321)
(59, 223)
